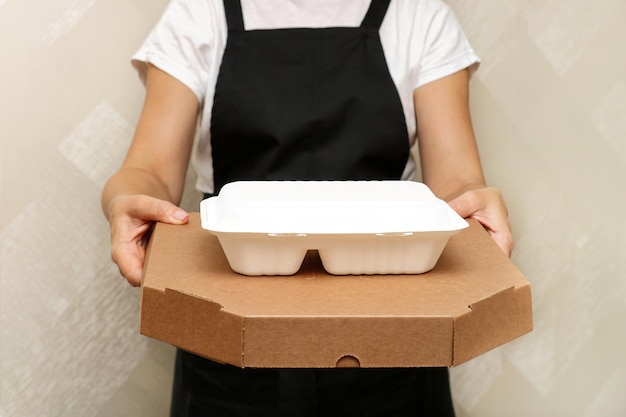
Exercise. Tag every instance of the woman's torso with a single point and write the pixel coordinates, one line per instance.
(190, 39)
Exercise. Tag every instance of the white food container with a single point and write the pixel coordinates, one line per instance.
(358, 227)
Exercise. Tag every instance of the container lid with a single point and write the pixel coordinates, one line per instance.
(328, 207)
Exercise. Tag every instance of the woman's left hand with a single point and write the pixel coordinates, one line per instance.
(487, 206)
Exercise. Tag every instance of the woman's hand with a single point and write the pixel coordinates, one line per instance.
(151, 180)
(487, 206)
(131, 218)
(449, 156)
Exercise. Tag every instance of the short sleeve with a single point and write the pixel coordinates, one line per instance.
(181, 43)
(445, 48)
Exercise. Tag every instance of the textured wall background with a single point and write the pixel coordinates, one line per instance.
(549, 107)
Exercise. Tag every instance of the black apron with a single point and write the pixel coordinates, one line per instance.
(306, 104)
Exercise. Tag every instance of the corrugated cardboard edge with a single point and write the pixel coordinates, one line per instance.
(368, 342)
(210, 325)
(244, 342)
(480, 330)
(483, 327)
(197, 325)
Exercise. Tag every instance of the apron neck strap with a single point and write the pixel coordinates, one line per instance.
(375, 14)
(234, 15)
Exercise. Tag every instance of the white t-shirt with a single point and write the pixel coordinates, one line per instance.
(422, 41)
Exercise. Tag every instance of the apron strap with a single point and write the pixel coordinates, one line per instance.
(234, 15)
(375, 14)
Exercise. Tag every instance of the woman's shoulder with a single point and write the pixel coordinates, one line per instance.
(425, 16)
(421, 6)
(198, 9)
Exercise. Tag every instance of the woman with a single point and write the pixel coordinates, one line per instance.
(300, 90)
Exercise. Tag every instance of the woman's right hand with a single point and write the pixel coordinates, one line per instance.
(153, 173)
(131, 218)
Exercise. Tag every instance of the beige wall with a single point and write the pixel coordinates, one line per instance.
(548, 106)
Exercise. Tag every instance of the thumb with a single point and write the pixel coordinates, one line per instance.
(462, 205)
(154, 209)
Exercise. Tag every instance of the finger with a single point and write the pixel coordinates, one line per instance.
(127, 247)
(487, 206)
(499, 231)
(505, 242)
(131, 223)
(129, 259)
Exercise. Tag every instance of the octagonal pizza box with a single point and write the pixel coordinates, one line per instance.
(472, 301)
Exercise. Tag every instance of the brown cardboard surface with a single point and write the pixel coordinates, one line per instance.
(474, 300)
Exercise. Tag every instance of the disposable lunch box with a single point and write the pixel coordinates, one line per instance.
(358, 227)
